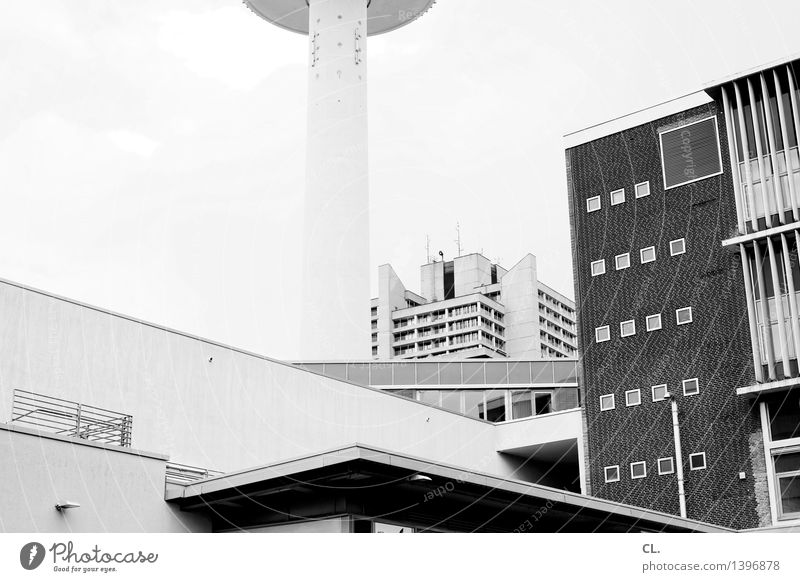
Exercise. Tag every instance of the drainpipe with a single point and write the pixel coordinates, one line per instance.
(676, 430)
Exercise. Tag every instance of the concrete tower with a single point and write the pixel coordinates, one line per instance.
(336, 293)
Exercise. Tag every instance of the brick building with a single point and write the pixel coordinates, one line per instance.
(691, 402)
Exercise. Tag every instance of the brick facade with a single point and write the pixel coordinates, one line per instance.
(715, 347)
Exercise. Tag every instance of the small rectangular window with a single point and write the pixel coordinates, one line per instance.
(593, 204)
(660, 392)
(666, 466)
(653, 322)
(647, 255)
(598, 267)
(691, 387)
(643, 189)
(633, 397)
(617, 197)
(627, 328)
(639, 470)
(683, 315)
(611, 474)
(607, 402)
(622, 261)
(602, 334)
(677, 247)
(697, 461)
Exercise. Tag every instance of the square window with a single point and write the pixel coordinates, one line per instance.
(683, 315)
(602, 334)
(647, 255)
(677, 247)
(643, 189)
(666, 466)
(598, 267)
(617, 197)
(638, 470)
(659, 392)
(607, 402)
(623, 261)
(653, 322)
(627, 328)
(697, 461)
(593, 204)
(691, 387)
(612, 474)
(633, 397)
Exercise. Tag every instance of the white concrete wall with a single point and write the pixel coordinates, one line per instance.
(118, 491)
(471, 272)
(520, 296)
(431, 281)
(208, 405)
(391, 296)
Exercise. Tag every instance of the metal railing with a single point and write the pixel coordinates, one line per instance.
(178, 474)
(72, 419)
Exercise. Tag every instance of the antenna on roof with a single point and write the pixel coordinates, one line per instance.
(458, 238)
(428, 248)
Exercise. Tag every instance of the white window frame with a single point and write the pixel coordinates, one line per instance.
(611, 195)
(652, 327)
(661, 151)
(601, 262)
(678, 316)
(605, 473)
(671, 465)
(641, 255)
(691, 462)
(638, 393)
(643, 464)
(622, 328)
(617, 258)
(653, 392)
(696, 381)
(613, 402)
(589, 204)
(672, 253)
(597, 334)
(636, 189)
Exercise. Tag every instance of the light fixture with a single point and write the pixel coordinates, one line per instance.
(419, 477)
(67, 505)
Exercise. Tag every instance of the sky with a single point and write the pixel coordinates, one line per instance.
(152, 153)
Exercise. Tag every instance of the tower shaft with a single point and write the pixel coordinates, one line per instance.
(336, 287)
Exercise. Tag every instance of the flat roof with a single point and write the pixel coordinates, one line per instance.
(476, 489)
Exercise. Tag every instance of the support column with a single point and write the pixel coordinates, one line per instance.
(751, 313)
(795, 196)
(776, 286)
(748, 172)
(765, 316)
(777, 187)
(791, 289)
(762, 174)
(733, 153)
(336, 291)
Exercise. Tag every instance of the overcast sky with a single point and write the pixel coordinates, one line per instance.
(152, 151)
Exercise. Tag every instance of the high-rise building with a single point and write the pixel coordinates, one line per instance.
(472, 308)
(685, 220)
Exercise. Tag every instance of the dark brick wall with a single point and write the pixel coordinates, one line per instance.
(714, 348)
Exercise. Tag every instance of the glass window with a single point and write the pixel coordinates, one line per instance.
(659, 392)
(542, 403)
(496, 373)
(473, 373)
(430, 397)
(654, 322)
(318, 368)
(410, 394)
(691, 387)
(380, 374)
(521, 404)
(565, 372)
(598, 267)
(647, 255)
(684, 315)
(607, 402)
(677, 247)
(593, 204)
(473, 403)
(450, 373)
(643, 189)
(627, 328)
(633, 397)
(602, 334)
(611, 474)
(784, 417)
(638, 470)
(666, 466)
(405, 374)
(427, 374)
(697, 461)
(542, 372)
(495, 405)
(451, 400)
(622, 261)
(519, 372)
(787, 477)
(617, 197)
(336, 371)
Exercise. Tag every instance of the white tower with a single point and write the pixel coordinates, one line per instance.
(336, 293)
